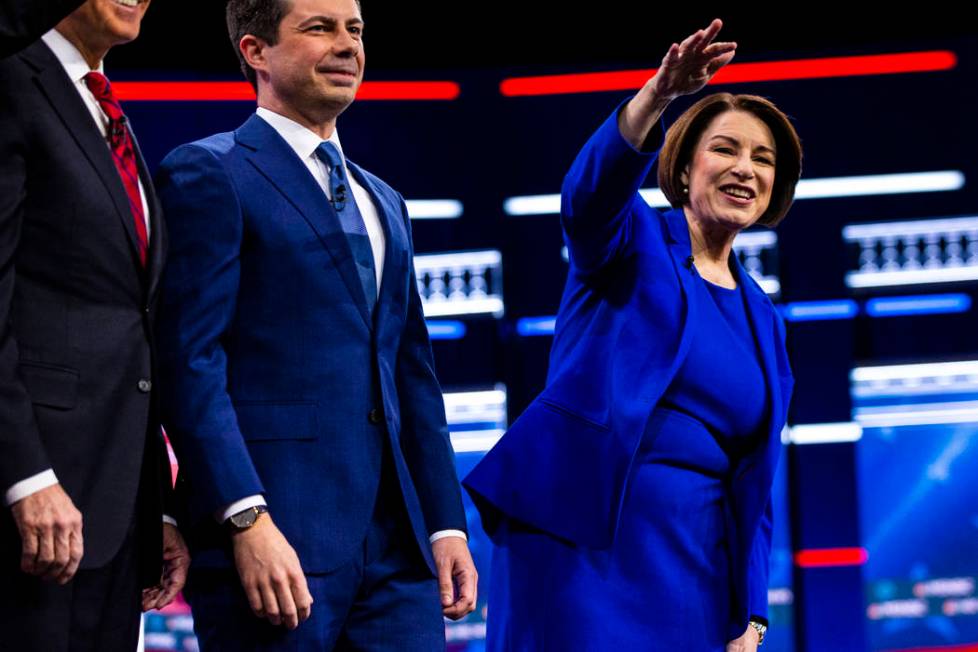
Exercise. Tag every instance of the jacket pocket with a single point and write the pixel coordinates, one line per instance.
(50, 385)
(269, 421)
(568, 412)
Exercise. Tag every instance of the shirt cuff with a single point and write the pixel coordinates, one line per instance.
(169, 519)
(240, 506)
(441, 534)
(29, 486)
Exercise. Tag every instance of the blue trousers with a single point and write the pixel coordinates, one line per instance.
(384, 598)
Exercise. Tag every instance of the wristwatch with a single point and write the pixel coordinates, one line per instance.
(761, 630)
(246, 518)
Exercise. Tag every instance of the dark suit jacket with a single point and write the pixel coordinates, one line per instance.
(277, 380)
(76, 312)
(24, 21)
(621, 336)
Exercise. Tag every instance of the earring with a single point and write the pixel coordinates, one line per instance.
(685, 190)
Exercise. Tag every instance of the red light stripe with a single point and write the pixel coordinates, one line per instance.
(970, 647)
(737, 73)
(824, 557)
(242, 92)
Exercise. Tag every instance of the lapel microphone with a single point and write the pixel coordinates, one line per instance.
(689, 263)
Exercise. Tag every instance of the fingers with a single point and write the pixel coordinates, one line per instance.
(254, 596)
(446, 587)
(61, 540)
(150, 598)
(47, 522)
(288, 614)
(303, 599)
(467, 582)
(30, 544)
(269, 604)
(76, 550)
(174, 578)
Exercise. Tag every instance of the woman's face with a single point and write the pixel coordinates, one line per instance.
(731, 173)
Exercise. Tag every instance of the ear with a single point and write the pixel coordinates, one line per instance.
(253, 50)
(684, 175)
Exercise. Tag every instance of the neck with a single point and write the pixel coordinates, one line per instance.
(321, 125)
(710, 243)
(91, 52)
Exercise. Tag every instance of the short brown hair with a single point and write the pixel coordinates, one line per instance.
(677, 150)
(259, 18)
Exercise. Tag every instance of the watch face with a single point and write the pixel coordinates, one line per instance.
(244, 519)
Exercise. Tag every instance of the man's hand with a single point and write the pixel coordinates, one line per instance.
(50, 533)
(746, 643)
(271, 574)
(176, 563)
(457, 578)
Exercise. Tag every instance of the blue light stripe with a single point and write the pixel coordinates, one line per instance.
(446, 329)
(533, 326)
(820, 310)
(932, 304)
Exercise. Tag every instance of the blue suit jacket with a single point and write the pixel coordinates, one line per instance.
(620, 337)
(271, 363)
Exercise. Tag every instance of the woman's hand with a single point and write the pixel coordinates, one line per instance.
(688, 66)
(685, 69)
(746, 643)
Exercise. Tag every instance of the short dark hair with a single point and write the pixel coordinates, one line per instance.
(259, 18)
(683, 135)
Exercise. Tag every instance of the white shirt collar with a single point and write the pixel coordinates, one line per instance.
(71, 59)
(299, 138)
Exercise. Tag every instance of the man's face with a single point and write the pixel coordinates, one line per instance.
(107, 23)
(317, 65)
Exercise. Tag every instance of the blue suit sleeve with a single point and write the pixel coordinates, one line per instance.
(759, 565)
(599, 191)
(424, 431)
(200, 289)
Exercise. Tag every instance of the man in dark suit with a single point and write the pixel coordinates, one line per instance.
(83, 466)
(299, 384)
(23, 21)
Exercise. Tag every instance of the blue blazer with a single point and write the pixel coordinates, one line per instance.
(276, 379)
(620, 338)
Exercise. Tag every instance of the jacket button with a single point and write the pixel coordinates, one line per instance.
(144, 385)
(375, 416)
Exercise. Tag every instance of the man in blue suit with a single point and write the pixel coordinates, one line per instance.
(299, 388)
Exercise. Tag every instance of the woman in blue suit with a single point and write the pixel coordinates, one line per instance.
(630, 503)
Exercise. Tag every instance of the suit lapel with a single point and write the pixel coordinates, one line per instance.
(680, 251)
(66, 102)
(761, 315)
(395, 238)
(156, 255)
(278, 163)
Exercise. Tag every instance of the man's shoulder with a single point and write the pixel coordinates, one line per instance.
(374, 180)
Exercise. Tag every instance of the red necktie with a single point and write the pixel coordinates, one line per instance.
(123, 153)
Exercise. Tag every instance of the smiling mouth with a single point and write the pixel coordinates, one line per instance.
(738, 192)
(128, 3)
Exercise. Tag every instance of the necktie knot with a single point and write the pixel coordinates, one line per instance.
(100, 87)
(329, 154)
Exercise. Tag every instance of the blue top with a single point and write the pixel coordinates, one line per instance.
(721, 383)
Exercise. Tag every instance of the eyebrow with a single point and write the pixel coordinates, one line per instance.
(330, 20)
(737, 142)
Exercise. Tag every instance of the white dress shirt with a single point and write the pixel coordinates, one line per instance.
(304, 143)
(76, 68)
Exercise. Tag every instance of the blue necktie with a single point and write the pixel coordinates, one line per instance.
(351, 220)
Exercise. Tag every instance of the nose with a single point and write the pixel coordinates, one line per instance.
(345, 44)
(743, 166)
